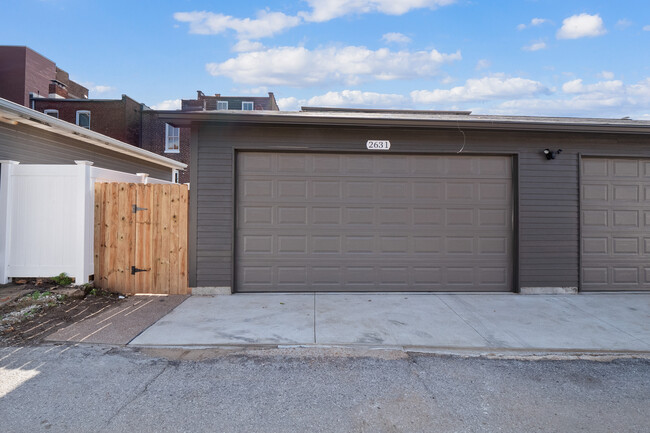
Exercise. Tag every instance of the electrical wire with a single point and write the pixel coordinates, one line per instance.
(464, 138)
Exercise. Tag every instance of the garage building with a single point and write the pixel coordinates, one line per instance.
(330, 200)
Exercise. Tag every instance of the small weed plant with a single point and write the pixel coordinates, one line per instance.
(62, 279)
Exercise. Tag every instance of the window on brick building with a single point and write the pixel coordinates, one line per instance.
(83, 118)
(172, 139)
(53, 113)
(247, 106)
(222, 105)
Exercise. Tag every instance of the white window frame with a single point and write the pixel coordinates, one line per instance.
(171, 138)
(250, 104)
(52, 112)
(176, 176)
(83, 112)
(222, 105)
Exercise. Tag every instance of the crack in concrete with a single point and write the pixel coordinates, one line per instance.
(137, 395)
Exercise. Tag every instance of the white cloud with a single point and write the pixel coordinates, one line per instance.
(325, 10)
(646, 28)
(483, 64)
(623, 23)
(602, 99)
(169, 104)
(245, 46)
(397, 38)
(581, 26)
(357, 98)
(346, 98)
(535, 22)
(254, 91)
(608, 75)
(605, 87)
(494, 87)
(290, 103)
(102, 89)
(266, 24)
(299, 66)
(535, 46)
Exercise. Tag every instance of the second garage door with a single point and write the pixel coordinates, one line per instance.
(615, 204)
(373, 222)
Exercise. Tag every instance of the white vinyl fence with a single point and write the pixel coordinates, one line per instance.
(47, 218)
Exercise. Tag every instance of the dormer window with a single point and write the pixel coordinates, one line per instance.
(247, 106)
(222, 105)
(53, 113)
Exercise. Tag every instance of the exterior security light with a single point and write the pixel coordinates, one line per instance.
(550, 154)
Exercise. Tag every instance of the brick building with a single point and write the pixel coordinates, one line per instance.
(118, 118)
(219, 102)
(135, 123)
(25, 73)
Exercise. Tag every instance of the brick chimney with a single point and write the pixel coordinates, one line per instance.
(58, 90)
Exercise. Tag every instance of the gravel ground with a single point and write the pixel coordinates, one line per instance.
(111, 389)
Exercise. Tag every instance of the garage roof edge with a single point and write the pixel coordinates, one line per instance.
(411, 119)
(13, 113)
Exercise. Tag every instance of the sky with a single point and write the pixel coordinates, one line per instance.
(572, 58)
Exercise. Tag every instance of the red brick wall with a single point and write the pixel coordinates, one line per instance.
(119, 119)
(153, 140)
(23, 71)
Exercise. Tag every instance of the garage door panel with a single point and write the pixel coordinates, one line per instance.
(377, 222)
(615, 221)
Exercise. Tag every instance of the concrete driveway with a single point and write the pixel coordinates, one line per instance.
(483, 322)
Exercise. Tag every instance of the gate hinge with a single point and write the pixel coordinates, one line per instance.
(134, 270)
(136, 208)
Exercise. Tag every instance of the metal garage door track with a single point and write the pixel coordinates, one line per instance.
(595, 322)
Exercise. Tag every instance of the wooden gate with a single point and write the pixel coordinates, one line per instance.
(141, 238)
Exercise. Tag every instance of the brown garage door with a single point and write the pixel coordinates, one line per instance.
(615, 224)
(373, 222)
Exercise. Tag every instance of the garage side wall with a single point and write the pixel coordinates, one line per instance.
(546, 214)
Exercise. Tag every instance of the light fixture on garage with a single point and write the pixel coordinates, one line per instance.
(551, 154)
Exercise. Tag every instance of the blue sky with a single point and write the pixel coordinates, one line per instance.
(527, 57)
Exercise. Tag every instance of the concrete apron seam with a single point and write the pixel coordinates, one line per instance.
(568, 301)
(314, 317)
(143, 330)
(463, 319)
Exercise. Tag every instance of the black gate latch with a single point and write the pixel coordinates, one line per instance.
(136, 208)
(134, 270)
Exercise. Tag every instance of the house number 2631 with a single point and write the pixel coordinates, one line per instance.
(378, 144)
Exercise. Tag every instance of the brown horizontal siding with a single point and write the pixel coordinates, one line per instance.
(548, 190)
(548, 260)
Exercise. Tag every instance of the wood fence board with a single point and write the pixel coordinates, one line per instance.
(112, 231)
(163, 252)
(182, 240)
(154, 238)
(174, 208)
(122, 258)
(143, 281)
(131, 239)
(99, 233)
